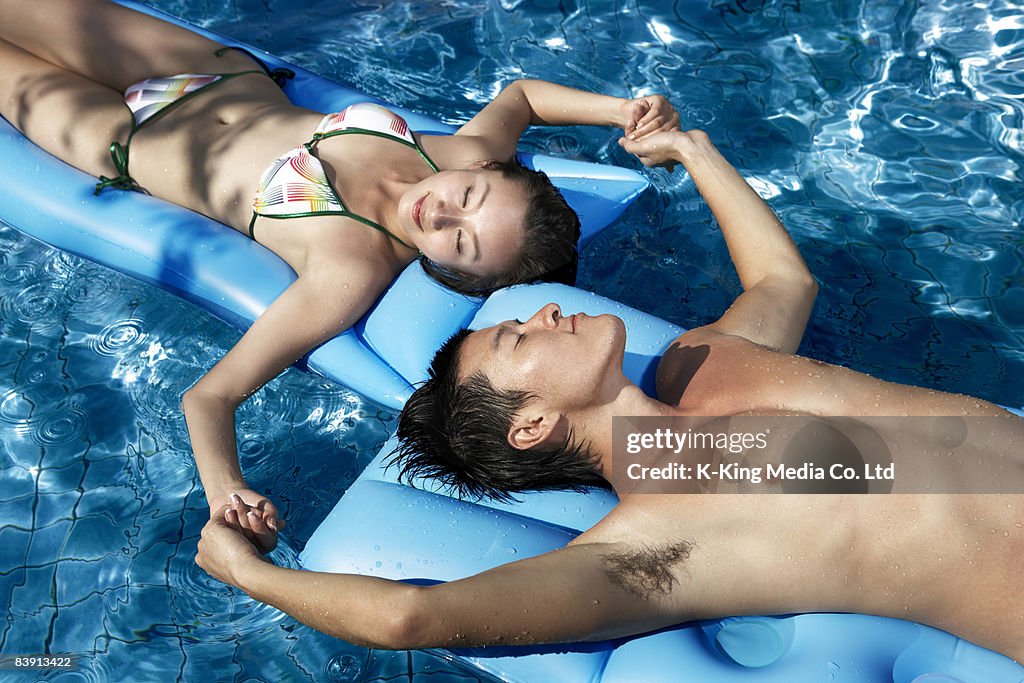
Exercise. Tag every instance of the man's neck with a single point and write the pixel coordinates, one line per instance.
(595, 422)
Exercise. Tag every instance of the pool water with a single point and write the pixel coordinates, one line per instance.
(887, 136)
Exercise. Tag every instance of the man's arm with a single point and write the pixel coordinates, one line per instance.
(778, 289)
(565, 595)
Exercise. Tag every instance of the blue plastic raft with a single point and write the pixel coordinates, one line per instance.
(231, 276)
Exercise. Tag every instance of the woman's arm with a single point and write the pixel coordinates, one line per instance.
(779, 290)
(565, 595)
(315, 308)
(530, 102)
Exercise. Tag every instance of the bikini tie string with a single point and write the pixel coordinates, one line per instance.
(118, 155)
(281, 76)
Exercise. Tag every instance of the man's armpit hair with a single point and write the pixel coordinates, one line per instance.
(647, 571)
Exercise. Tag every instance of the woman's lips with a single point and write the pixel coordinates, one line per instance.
(417, 212)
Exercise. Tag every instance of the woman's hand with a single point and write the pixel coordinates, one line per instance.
(648, 115)
(252, 514)
(223, 551)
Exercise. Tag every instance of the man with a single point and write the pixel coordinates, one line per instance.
(555, 383)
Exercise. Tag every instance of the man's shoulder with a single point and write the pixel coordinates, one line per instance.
(685, 356)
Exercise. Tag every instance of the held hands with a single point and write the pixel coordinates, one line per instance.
(223, 550)
(648, 115)
(249, 513)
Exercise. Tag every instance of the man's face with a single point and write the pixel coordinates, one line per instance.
(565, 361)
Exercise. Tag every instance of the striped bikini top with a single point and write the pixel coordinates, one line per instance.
(296, 185)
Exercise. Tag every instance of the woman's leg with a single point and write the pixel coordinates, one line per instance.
(110, 44)
(69, 116)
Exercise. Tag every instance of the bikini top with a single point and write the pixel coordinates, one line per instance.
(296, 185)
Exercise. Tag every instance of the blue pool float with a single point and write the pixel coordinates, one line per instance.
(381, 527)
(233, 277)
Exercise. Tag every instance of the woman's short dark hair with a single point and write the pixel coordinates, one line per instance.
(457, 432)
(551, 231)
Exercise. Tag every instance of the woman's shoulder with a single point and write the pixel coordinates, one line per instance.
(457, 151)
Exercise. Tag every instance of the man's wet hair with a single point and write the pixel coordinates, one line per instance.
(457, 433)
(551, 233)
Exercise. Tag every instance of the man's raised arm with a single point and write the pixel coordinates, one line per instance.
(778, 288)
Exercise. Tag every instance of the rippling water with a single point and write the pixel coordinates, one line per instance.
(887, 136)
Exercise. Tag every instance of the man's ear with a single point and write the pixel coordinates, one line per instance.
(531, 428)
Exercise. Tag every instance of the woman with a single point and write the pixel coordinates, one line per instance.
(207, 126)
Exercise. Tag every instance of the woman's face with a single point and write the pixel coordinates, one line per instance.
(470, 221)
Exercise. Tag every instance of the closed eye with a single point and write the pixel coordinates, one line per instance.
(458, 242)
(465, 197)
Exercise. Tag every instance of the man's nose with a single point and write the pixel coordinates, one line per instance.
(547, 317)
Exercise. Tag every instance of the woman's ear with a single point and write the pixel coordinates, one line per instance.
(537, 428)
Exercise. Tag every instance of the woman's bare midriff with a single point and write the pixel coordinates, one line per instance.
(207, 153)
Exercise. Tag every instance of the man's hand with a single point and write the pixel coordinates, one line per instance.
(648, 115)
(669, 148)
(223, 550)
(250, 513)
